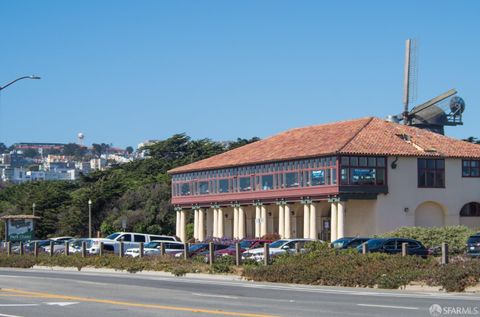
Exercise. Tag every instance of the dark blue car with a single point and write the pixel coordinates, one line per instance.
(394, 246)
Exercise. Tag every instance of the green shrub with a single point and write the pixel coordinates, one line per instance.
(455, 236)
(223, 264)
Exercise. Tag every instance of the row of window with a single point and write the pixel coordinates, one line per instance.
(259, 169)
(471, 168)
(327, 176)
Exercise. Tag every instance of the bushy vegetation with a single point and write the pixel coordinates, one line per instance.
(455, 236)
(325, 266)
(138, 191)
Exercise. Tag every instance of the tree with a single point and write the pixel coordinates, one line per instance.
(129, 149)
(31, 153)
(3, 148)
(472, 139)
(72, 149)
(241, 142)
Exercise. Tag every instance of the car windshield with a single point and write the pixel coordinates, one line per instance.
(244, 245)
(374, 243)
(474, 239)
(340, 242)
(278, 243)
(112, 236)
(152, 245)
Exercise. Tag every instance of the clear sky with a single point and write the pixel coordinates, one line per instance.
(126, 71)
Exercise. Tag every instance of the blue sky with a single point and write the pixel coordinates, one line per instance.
(126, 71)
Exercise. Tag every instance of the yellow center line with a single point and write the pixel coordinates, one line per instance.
(130, 304)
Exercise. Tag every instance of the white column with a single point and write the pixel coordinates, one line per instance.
(195, 224)
(220, 222)
(333, 222)
(201, 225)
(281, 221)
(209, 222)
(257, 221)
(215, 222)
(241, 223)
(313, 222)
(177, 231)
(183, 232)
(235, 222)
(341, 220)
(263, 228)
(288, 231)
(306, 221)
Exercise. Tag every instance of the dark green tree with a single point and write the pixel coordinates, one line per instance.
(129, 149)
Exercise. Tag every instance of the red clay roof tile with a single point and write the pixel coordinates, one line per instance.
(365, 136)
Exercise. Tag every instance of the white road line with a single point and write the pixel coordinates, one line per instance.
(4, 315)
(387, 306)
(214, 295)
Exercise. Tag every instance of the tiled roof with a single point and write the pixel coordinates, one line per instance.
(366, 136)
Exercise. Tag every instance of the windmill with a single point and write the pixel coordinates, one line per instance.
(433, 115)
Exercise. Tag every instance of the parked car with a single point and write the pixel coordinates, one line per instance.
(276, 248)
(75, 245)
(349, 242)
(394, 246)
(473, 245)
(58, 245)
(199, 248)
(153, 248)
(131, 240)
(28, 247)
(244, 246)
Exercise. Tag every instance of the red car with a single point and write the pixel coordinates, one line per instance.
(244, 245)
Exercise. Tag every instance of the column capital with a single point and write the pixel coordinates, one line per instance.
(257, 203)
(280, 202)
(177, 208)
(235, 204)
(306, 201)
(215, 206)
(333, 199)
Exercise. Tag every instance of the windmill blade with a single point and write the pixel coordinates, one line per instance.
(433, 101)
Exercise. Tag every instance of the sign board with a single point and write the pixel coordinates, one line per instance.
(20, 229)
(124, 223)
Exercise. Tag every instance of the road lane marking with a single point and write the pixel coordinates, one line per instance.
(130, 304)
(387, 306)
(4, 315)
(61, 303)
(216, 296)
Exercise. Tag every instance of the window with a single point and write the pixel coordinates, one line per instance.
(203, 188)
(185, 189)
(267, 182)
(125, 237)
(139, 238)
(362, 171)
(431, 173)
(245, 184)
(362, 176)
(317, 177)
(223, 186)
(291, 179)
(470, 210)
(471, 168)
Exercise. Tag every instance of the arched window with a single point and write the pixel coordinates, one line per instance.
(470, 210)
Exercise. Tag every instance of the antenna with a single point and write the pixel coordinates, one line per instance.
(410, 77)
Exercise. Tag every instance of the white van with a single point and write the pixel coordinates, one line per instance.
(131, 240)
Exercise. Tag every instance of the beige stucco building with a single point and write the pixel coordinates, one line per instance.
(358, 177)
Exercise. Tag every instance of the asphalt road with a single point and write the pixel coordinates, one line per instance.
(38, 293)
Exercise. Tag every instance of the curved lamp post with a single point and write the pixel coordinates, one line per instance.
(20, 78)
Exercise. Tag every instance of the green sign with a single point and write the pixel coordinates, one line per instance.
(20, 229)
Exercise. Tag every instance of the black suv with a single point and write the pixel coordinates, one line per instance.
(394, 246)
(473, 245)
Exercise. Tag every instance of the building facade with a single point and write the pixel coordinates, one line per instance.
(358, 177)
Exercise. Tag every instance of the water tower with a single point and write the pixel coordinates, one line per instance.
(80, 137)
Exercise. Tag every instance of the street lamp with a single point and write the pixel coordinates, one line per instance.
(20, 78)
(90, 218)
